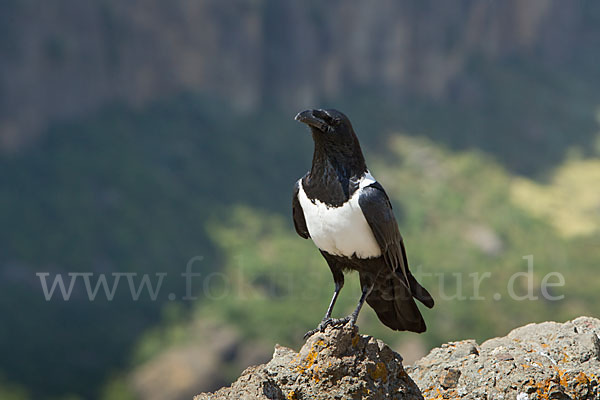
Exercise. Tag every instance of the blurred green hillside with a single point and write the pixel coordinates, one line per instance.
(461, 226)
(122, 192)
(146, 191)
(458, 219)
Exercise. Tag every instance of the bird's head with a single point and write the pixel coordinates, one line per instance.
(334, 139)
(329, 125)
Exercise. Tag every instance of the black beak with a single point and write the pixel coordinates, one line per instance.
(313, 118)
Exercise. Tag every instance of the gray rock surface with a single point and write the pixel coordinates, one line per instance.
(538, 361)
(336, 364)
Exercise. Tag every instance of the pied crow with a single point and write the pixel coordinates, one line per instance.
(348, 216)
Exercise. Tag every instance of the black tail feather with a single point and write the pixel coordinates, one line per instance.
(419, 292)
(395, 306)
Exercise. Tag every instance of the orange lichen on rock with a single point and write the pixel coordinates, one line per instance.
(564, 382)
(311, 357)
(379, 372)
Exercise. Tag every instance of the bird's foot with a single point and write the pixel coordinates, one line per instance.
(320, 328)
(329, 322)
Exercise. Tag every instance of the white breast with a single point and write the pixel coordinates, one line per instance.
(343, 230)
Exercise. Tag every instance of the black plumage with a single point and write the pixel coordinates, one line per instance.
(354, 226)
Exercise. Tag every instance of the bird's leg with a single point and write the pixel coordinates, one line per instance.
(328, 321)
(366, 290)
(327, 318)
(338, 287)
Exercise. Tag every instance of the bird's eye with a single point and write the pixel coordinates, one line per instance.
(336, 121)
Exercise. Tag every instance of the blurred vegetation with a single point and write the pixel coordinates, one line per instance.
(457, 215)
(10, 391)
(458, 219)
(146, 190)
(124, 191)
(570, 202)
(526, 116)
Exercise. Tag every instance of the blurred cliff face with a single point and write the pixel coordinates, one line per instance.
(66, 58)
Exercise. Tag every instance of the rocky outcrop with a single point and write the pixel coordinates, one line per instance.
(538, 361)
(336, 364)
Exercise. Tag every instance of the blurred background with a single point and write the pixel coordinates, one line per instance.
(148, 136)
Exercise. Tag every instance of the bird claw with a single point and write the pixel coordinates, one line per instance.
(320, 328)
(329, 322)
(342, 321)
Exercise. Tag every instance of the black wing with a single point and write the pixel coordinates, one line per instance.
(298, 214)
(377, 209)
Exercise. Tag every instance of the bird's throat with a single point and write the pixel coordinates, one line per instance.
(334, 175)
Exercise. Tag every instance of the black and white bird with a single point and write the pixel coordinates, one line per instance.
(349, 217)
